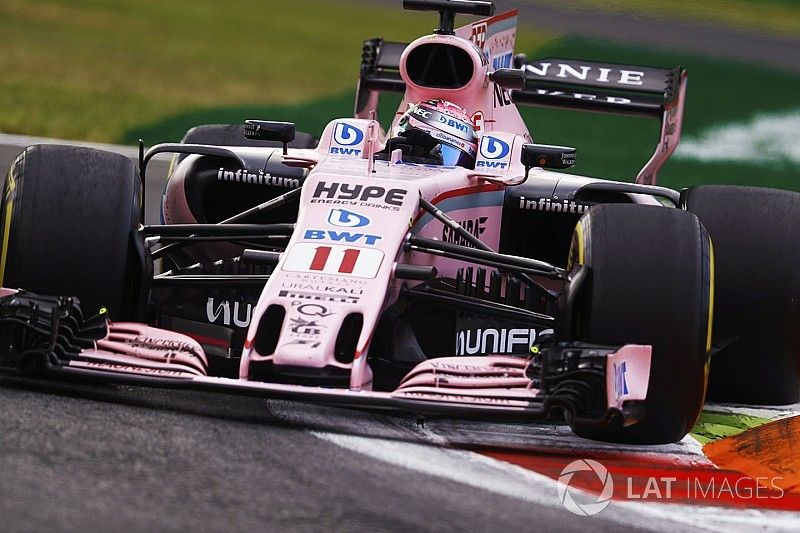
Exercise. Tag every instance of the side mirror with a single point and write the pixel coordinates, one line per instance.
(547, 156)
(509, 78)
(268, 130)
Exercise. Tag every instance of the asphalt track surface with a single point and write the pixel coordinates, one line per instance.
(106, 457)
(76, 457)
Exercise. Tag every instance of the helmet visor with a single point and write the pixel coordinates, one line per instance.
(455, 157)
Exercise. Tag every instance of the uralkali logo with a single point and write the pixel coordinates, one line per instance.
(578, 501)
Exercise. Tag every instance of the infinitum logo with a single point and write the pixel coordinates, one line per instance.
(585, 504)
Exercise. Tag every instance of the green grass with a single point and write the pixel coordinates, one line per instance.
(608, 146)
(714, 426)
(98, 70)
(718, 93)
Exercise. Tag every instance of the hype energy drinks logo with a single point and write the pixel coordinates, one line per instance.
(347, 140)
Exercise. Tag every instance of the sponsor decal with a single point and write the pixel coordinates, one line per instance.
(304, 326)
(165, 344)
(475, 227)
(236, 314)
(356, 194)
(422, 112)
(587, 72)
(552, 206)
(343, 218)
(448, 124)
(494, 153)
(496, 341)
(311, 309)
(461, 367)
(345, 138)
(586, 96)
(131, 369)
(620, 384)
(340, 236)
(477, 119)
(318, 287)
(458, 398)
(502, 61)
(333, 259)
(454, 124)
(454, 141)
(325, 279)
(502, 97)
(318, 296)
(304, 342)
(256, 178)
(494, 148)
(479, 33)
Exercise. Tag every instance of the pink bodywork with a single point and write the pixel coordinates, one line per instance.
(343, 157)
(355, 215)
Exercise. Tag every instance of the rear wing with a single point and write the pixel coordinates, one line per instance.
(611, 88)
(558, 83)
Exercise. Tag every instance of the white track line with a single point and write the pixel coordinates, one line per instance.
(770, 412)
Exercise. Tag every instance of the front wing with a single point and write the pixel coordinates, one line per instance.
(599, 385)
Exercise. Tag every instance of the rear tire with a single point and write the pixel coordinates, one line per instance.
(69, 217)
(649, 283)
(756, 234)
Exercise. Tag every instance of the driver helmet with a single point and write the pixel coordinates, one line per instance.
(450, 127)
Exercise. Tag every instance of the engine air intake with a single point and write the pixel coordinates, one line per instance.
(439, 66)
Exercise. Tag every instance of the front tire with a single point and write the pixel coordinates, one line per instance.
(650, 282)
(69, 217)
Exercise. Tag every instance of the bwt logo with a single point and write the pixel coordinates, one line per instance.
(340, 236)
(346, 135)
(455, 124)
(343, 218)
(568, 494)
(493, 148)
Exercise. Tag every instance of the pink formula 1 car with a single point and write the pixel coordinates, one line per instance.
(438, 265)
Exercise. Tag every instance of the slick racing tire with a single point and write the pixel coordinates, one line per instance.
(756, 235)
(69, 217)
(650, 281)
